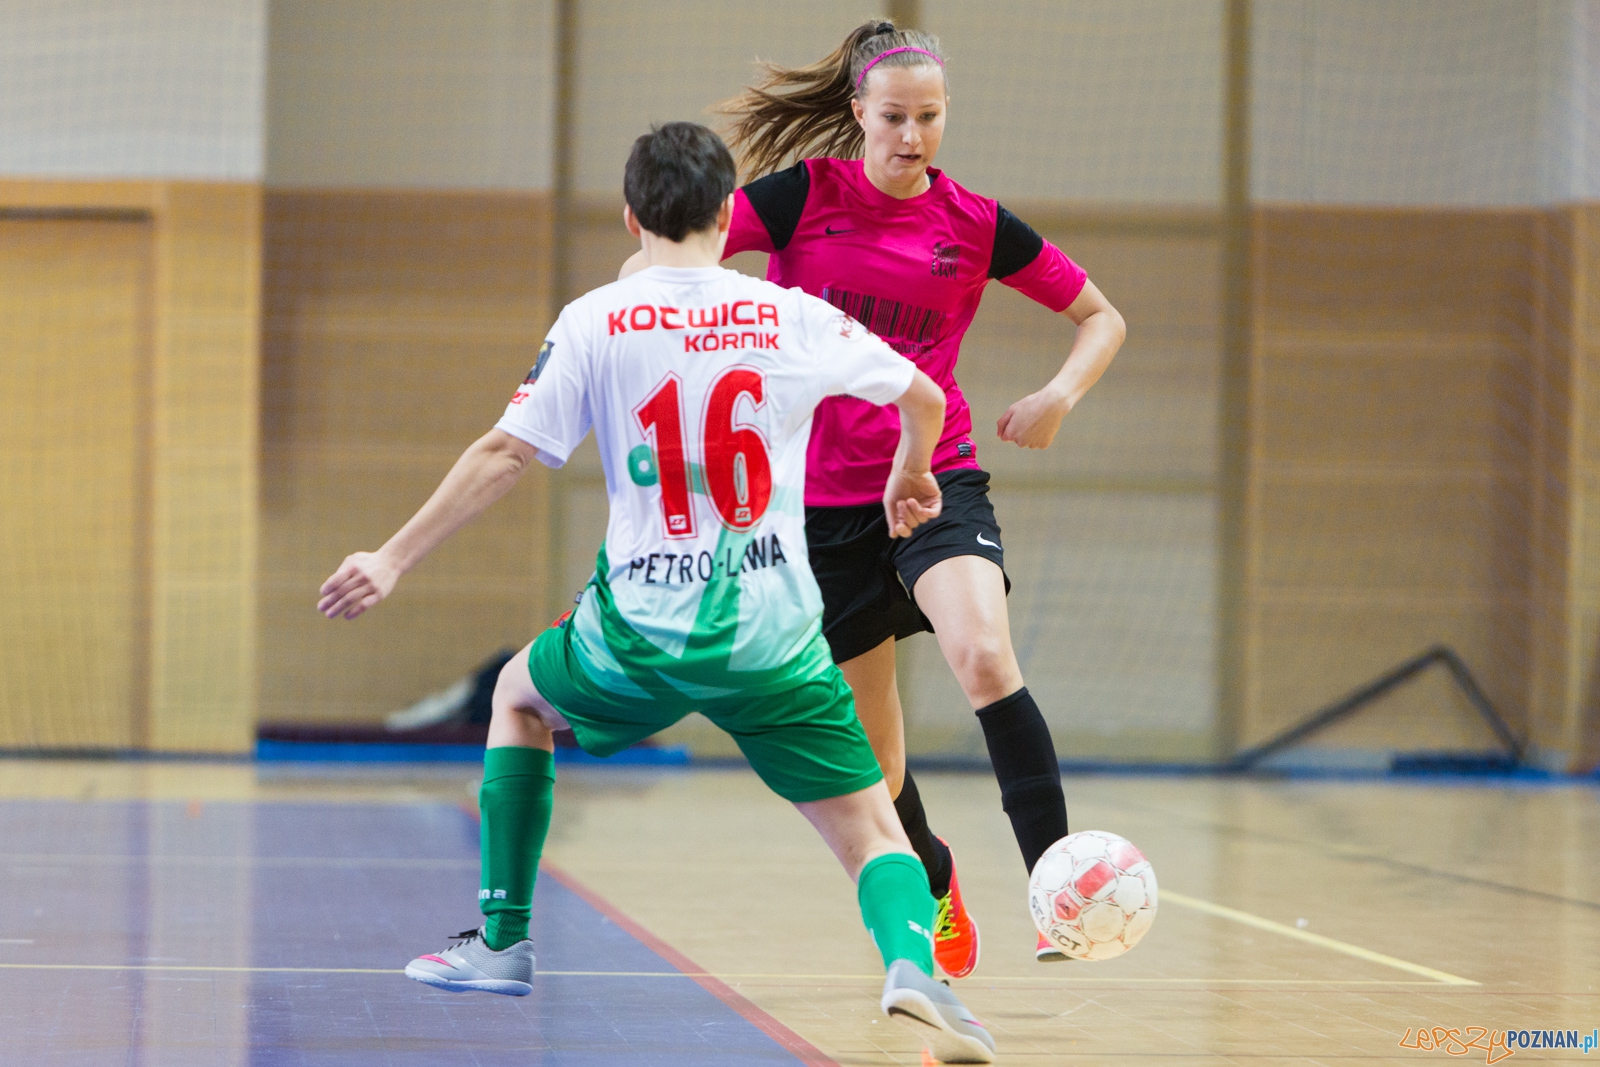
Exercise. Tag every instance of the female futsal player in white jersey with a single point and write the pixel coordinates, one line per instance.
(693, 604)
(865, 222)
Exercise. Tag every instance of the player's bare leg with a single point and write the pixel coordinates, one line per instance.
(519, 713)
(871, 677)
(965, 599)
(859, 827)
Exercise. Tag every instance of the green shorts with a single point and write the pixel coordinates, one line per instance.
(805, 740)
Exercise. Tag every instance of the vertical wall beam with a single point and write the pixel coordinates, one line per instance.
(1555, 480)
(1233, 467)
(1564, 698)
(204, 466)
(563, 275)
(1583, 735)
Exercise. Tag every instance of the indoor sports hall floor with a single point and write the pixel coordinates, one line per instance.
(178, 914)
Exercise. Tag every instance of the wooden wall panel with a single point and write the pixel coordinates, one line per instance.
(74, 388)
(1360, 534)
(1356, 417)
(1349, 271)
(396, 326)
(195, 631)
(1393, 390)
(1323, 647)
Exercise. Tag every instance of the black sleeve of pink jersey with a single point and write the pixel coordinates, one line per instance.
(1015, 244)
(779, 200)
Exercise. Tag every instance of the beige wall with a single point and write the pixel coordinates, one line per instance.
(1073, 100)
(1084, 100)
(1569, 69)
(110, 89)
(1454, 101)
(641, 62)
(1429, 102)
(410, 93)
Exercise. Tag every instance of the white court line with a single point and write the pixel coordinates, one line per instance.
(1307, 936)
(873, 978)
(45, 859)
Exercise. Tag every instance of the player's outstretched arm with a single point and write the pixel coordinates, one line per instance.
(912, 496)
(481, 476)
(1032, 422)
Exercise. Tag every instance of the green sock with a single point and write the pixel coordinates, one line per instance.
(898, 909)
(514, 808)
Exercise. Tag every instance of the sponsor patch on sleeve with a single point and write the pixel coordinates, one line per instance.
(538, 366)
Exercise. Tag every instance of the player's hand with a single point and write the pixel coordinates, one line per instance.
(909, 500)
(1032, 422)
(362, 580)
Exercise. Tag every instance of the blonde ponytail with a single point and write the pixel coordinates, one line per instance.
(792, 113)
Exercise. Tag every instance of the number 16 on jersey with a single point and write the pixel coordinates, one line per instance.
(734, 461)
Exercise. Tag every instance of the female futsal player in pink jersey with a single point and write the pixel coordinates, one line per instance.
(908, 252)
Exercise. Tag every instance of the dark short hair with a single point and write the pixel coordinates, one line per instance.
(678, 176)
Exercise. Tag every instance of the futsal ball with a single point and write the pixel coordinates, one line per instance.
(1093, 895)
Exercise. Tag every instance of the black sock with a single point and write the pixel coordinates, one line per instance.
(1024, 760)
(929, 849)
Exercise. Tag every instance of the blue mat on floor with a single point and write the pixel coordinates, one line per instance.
(273, 934)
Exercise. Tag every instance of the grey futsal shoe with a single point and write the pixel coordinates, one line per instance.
(950, 1032)
(474, 966)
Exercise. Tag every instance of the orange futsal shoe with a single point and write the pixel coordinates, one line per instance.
(955, 935)
(1048, 953)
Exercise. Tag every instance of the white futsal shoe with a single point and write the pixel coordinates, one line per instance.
(951, 1033)
(472, 966)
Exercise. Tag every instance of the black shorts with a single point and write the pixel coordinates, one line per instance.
(867, 577)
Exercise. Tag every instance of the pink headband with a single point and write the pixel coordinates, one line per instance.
(890, 52)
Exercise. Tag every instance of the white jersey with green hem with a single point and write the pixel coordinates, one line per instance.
(700, 386)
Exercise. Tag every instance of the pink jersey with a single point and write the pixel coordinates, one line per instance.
(913, 271)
